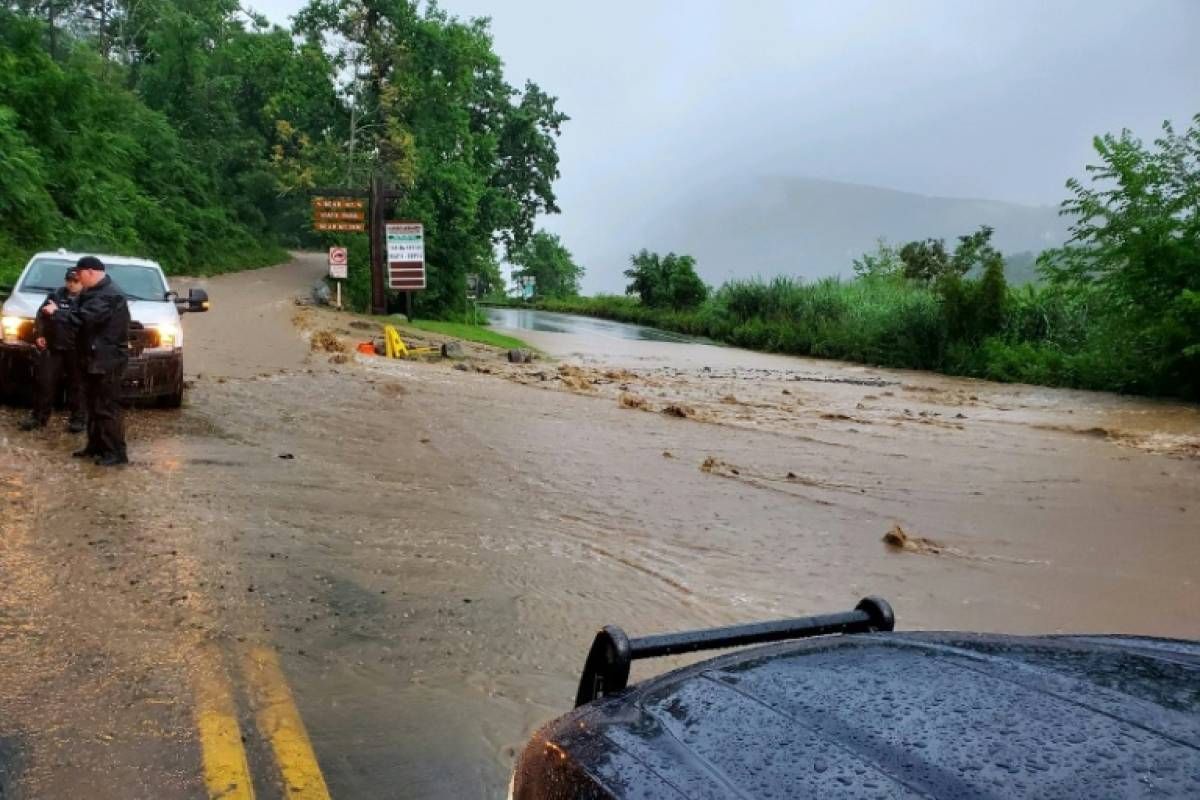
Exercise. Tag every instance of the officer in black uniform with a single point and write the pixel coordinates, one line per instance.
(57, 364)
(102, 324)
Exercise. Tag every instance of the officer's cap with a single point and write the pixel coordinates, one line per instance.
(90, 262)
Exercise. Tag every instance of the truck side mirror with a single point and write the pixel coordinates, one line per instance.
(197, 300)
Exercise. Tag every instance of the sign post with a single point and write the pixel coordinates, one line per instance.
(358, 211)
(339, 264)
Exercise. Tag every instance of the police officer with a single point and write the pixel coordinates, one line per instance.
(102, 323)
(57, 362)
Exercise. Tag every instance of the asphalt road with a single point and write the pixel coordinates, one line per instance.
(343, 576)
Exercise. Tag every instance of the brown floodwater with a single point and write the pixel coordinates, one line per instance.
(431, 549)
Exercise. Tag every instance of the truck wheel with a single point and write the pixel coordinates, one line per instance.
(5, 383)
(15, 383)
(174, 399)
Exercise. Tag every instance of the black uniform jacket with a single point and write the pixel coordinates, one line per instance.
(102, 323)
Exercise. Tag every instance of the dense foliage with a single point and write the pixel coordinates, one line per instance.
(88, 163)
(191, 131)
(668, 281)
(1119, 309)
(545, 259)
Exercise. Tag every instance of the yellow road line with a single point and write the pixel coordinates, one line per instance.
(279, 721)
(226, 772)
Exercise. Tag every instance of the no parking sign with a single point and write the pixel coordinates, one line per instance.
(339, 258)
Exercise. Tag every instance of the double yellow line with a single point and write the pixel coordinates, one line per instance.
(226, 768)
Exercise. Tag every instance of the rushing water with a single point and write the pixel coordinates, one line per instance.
(430, 549)
(549, 322)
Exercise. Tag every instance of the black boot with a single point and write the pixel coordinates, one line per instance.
(112, 460)
(76, 425)
(85, 453)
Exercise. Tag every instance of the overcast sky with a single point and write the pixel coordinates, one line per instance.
(995, 100)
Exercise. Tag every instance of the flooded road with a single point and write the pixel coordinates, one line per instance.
(588, 328)
(427, 550)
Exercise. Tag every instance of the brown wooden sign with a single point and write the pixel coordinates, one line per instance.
(347, 214)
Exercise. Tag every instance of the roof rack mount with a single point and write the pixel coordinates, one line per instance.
(606, 670)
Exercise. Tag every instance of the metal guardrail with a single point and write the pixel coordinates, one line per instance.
(606, 670)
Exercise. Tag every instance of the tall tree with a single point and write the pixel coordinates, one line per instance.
(1136, 239)
(668, 281)
(550, 264)
(432, 113)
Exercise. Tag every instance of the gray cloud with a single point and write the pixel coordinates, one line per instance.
(994, 100)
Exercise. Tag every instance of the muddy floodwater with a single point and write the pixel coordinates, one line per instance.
(598, 333)
(429, 547)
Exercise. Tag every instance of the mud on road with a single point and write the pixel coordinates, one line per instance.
(427, 548)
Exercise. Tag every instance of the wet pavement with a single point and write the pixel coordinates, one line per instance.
(426, 550)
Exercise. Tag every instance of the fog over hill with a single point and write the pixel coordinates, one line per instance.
(801, 226)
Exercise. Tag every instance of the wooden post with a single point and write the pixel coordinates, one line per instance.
(378, 248)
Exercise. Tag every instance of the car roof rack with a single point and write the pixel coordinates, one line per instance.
(606, 670)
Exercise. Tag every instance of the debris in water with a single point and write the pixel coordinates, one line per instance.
(729, 400)
(575, 378)
(716, 466)
(391, 388)
(629, 400)
(327, 341)
(286, 456)
(339, 358)
(668, 454)
(680, 410)
(897, 537)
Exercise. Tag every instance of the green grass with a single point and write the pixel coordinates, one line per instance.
(471, 333)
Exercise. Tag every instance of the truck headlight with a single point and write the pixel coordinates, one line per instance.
(168, 334)
(12, 326)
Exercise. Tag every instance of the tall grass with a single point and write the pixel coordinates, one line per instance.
(1048, 336)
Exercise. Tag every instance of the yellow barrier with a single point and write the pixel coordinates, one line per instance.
(396, 348)
(395, 345)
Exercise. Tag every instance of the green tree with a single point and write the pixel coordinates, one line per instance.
(665, 282)
(545, 259)
(1136, 238)
(884, 263)
(91, 166)
(973, 308)
(925, 261)
(432, 113)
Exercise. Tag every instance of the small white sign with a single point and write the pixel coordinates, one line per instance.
(406, 242)
(339, 261)
(406, 255)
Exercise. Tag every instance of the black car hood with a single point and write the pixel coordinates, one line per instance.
(896, 715)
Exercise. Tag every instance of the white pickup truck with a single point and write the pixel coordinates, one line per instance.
(155, 370)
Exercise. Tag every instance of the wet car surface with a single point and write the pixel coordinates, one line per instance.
(945, 715)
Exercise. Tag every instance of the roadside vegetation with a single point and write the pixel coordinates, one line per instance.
(471, 333)
(193, 133)
(1117, 308)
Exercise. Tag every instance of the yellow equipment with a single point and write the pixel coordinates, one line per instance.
(395, 347)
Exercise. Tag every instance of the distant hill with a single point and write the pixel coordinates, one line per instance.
(814, 228)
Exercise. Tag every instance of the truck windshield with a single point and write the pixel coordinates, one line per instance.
(136, 281)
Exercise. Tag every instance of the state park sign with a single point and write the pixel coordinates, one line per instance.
(406, 256)
(344, 214)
